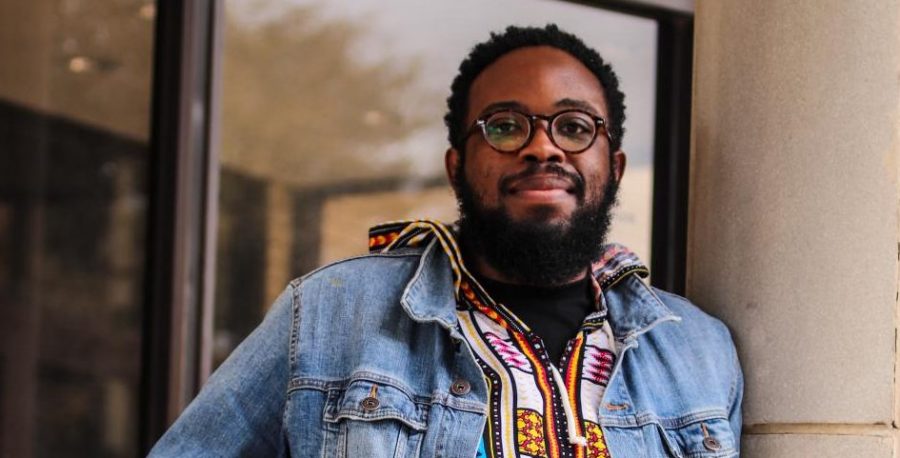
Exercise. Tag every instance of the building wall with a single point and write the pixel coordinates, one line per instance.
(793, 232)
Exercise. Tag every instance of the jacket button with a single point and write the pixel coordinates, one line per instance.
(369, 404)
(711, 443)
(460, 387)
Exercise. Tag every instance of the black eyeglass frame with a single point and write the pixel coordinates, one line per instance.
(481, 124)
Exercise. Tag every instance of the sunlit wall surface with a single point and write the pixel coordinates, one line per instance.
(74, 111)
(332, 121)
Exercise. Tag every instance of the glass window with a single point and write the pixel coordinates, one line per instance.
(333, 121)
(74, 121)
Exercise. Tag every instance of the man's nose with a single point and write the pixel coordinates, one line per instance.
(541, 148)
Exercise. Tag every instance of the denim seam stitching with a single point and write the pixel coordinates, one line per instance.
(296, 297)
(292, 346)
(394, 254)
(342, 383)
(437, 398)
(732, 395)
(392, 415)
(692, 418)
(643, 419)
(646, 293)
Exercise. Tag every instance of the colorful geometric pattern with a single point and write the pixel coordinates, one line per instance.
(526, 417)
(530, 433)
(598, 364)
(616, 263)
(596, 445)
(507, 352)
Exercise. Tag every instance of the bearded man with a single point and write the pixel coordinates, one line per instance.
(517, 332)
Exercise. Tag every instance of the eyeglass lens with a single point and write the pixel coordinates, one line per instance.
(571, 131)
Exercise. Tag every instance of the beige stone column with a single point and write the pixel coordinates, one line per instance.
(793, 235)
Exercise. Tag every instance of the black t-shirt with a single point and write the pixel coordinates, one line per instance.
(555, 314)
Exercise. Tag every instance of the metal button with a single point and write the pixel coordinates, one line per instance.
(369, 403)
(460, 387)
(711, 443)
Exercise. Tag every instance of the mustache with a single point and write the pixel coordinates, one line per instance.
(552, 169)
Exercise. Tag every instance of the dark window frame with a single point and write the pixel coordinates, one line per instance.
(183, 185)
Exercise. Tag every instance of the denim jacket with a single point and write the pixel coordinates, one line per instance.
(362, 358)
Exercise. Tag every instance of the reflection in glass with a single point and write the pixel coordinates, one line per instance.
(332, 122)
(74, 113)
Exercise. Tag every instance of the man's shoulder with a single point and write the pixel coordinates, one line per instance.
(693, 319)
(364, 266)
(370, 283)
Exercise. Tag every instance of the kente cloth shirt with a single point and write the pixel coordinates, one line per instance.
(554, 313)
(535, 409)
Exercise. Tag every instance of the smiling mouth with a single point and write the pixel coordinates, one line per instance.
(540, 184)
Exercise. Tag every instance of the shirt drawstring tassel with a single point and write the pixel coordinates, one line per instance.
(574, 438)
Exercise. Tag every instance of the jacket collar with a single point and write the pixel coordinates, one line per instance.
(431, 294)
(634, 308)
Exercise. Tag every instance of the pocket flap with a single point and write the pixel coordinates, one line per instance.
(372, 401)
(711, 437)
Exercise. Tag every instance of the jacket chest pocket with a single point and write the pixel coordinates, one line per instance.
(373, 420)
(709, 438)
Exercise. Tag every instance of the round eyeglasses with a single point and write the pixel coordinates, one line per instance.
(508, 131)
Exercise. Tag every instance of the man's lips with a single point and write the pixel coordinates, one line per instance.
(541, 183)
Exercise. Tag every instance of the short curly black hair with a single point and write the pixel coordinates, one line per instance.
(485, 53)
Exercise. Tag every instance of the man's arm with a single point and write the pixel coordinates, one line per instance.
(239, 411)
(734, 415)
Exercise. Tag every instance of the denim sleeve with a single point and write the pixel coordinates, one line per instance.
(734, 414)
(240, 409)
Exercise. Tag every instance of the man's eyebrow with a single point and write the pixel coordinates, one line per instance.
(579, 104)
(562, 103)
(503, 105)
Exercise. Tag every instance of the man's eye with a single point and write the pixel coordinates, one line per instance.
(574, 128)
(503, 127)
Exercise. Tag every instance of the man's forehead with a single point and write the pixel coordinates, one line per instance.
(537, 78)
(562, 104)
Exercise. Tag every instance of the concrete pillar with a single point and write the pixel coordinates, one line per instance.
(793, 233)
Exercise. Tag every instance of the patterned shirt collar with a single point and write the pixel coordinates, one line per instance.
(615, 263)
(536, 409)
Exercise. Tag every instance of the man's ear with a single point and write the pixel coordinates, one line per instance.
(618, 164)
(451, 162)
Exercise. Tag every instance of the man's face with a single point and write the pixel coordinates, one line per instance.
(537, 80)
(539, 187)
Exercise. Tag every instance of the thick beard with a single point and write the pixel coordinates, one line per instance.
(535, 252)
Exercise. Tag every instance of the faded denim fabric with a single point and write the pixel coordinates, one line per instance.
(357, 359)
